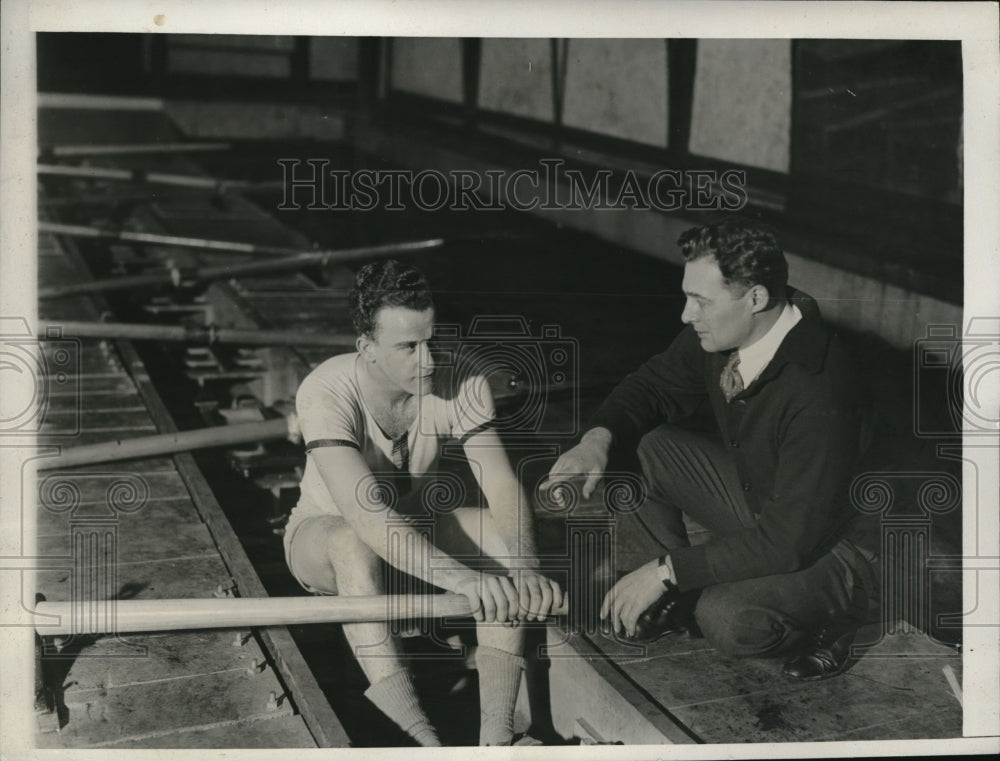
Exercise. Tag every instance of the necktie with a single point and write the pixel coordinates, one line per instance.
(401, 459)
(731, 382)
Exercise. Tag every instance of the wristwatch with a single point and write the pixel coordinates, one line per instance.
(664, 573)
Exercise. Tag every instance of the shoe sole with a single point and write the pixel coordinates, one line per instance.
(657, 638)
(832, 674)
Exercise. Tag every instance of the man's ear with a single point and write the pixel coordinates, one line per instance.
(364, 344)
(760, 298)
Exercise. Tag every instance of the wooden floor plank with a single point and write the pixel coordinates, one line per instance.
(88, 428)
(262, 732)
(65, 403)
(106, 661)
(160, 530)
(92, 419)
(110, 715)
(86, 354)
(113, 405)
(702, 675)
(93, 486)
(749, 700)
(763, 706)
(50, 523)
(145, 465)
(109, 382)
(197, 576)
(86, 438)
(804, 712)
(70, 438)
(931, 725)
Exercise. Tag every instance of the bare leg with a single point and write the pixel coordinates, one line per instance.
(327, 555)
(471, 532)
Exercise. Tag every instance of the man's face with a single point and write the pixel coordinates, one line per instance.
(721, 319)
(401, 348)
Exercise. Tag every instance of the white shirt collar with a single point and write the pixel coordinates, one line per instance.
(754, 358)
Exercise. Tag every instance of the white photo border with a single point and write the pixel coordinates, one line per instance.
(975, 24)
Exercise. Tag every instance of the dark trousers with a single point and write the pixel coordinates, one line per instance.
(691, 472)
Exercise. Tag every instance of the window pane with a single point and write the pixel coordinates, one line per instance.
(882, 113)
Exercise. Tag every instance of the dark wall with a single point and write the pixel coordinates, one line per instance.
(93, 62)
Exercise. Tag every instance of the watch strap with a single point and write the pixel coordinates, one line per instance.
(663, 571)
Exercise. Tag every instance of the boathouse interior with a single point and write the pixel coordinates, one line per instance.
(850, 150)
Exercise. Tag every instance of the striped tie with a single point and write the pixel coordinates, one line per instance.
(401, 459)
(731, 382)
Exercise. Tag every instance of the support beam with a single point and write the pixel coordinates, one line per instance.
(682, 64)
(472, 54)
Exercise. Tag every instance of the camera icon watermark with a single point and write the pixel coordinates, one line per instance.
(963, 373)
(41, 380)
(524, 373)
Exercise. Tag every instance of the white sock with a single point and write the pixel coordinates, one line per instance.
(499, 681)
(396, 697)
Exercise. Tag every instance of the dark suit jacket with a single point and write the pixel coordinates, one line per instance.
(793, 433)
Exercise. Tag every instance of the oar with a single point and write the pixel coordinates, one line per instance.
(195, 334)
(112, 199)
(158, 239)
(169, 443)
(105, 149)
(153, 178)
(296, 260)
(122, 616)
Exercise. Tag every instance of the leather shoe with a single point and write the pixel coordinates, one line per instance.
(826, 653)
(672, 613)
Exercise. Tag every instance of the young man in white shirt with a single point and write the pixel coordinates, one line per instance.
(374, 423)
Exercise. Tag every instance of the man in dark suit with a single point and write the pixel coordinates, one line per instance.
(769, 480)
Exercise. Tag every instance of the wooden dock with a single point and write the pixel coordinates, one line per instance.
(896, 690)
(148, 529)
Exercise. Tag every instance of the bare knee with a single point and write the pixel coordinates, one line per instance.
(359, 570)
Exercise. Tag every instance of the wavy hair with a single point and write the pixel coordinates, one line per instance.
(747, 254)
(386, 283)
